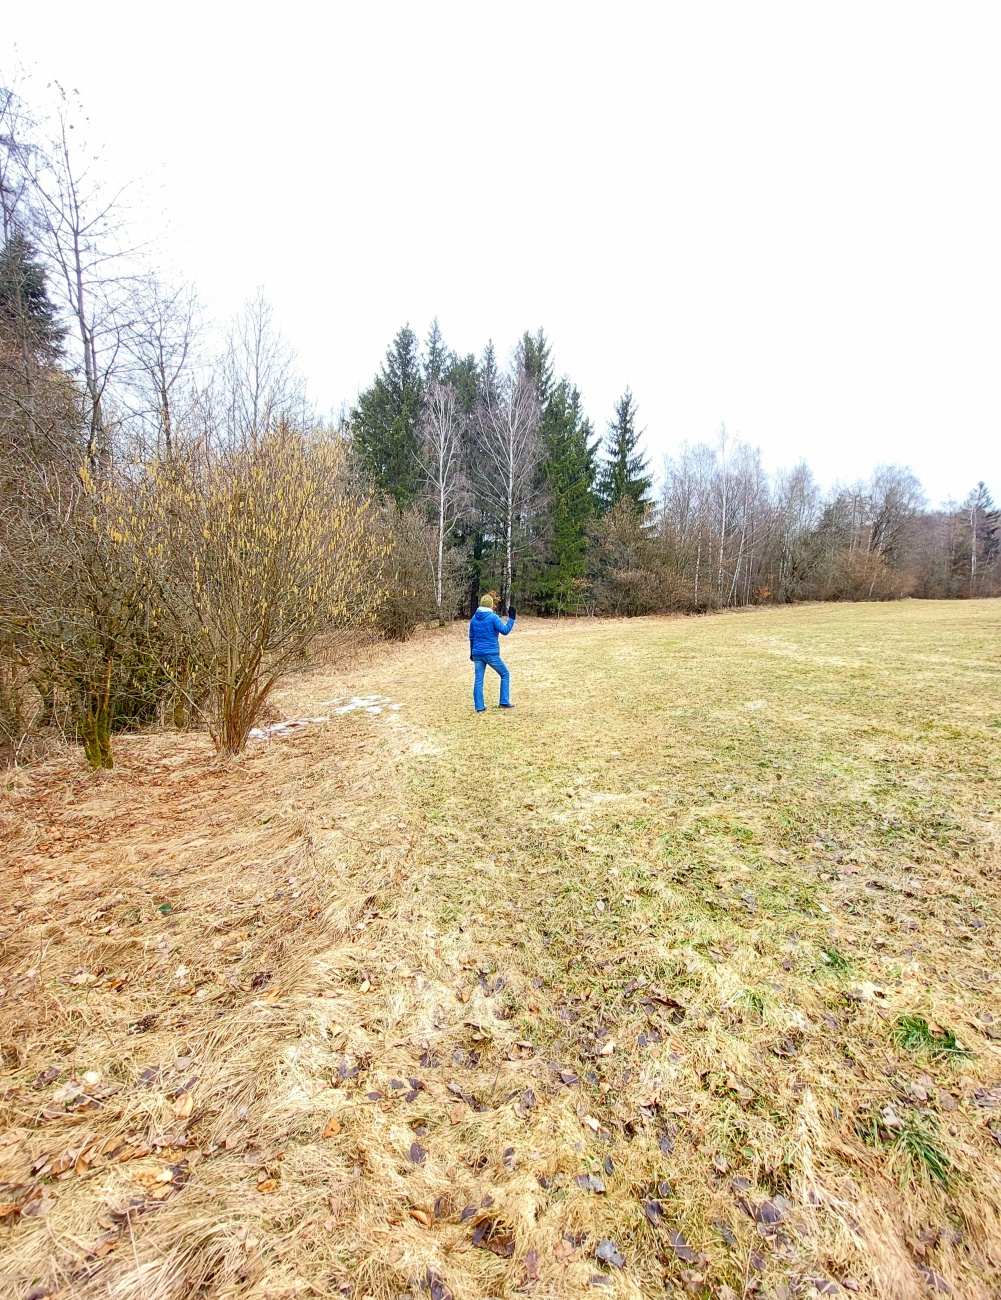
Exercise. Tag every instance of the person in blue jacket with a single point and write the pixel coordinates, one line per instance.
(484, 648)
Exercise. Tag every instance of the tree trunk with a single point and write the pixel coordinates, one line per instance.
(441, 556)
(973, 549)
(96, 722)
(168, 438)
(179, 701)
(510, 532)
(722, 540)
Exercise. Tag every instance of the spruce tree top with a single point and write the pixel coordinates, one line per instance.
(624, 467)
(384, 423)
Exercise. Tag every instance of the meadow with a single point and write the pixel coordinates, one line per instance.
(682, 977)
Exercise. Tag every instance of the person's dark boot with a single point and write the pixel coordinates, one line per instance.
(505, 706)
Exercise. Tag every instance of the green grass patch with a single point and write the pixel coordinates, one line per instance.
(918, 1146)
(914, 1034)
(838, 963)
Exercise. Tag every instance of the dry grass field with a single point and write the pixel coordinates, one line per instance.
(681, 978)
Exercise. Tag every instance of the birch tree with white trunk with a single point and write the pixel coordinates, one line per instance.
(441, 435)
(506, 456)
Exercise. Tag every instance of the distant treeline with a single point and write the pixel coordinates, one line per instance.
(521, 495)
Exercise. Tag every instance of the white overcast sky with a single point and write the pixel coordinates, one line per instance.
(782, 216)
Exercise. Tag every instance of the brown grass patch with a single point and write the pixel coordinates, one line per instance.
(620, 992)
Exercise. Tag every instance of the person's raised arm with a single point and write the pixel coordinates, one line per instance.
(502, 627)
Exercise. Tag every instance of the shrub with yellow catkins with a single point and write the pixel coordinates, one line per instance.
(251, 552)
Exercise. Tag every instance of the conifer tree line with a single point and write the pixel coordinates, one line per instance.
(522, 496)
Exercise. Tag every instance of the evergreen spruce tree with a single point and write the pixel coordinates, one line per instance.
(568, 473)
(27, 316)
(384, 424)
(624, 469)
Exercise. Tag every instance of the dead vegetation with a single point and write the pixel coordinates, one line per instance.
(679, 979)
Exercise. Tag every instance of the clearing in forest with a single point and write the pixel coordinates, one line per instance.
(682, 977)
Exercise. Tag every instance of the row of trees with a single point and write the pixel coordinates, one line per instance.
(176, 527)
(503, 463)
(506, 472)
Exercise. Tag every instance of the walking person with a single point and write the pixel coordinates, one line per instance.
(484, 648)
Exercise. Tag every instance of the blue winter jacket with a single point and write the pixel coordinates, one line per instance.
(484, 628)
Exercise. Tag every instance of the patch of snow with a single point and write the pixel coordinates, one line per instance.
(373, 704)
(370, 703)
(283, 728)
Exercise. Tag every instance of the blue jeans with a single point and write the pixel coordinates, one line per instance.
(500, 668)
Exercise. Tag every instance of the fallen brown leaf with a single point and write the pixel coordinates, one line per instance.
(84, 1159)
(681, 1247)
(133, 1153)
(331, 1128)
(37, 1208)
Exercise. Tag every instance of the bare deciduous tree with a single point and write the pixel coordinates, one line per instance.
(506, 455)
(260, 376)
(79, 227)
(161, 341)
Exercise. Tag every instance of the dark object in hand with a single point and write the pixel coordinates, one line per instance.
(510, 611)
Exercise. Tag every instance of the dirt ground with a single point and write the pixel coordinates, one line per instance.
(682, 977)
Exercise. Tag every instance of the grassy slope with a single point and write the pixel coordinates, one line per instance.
(703, 874)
